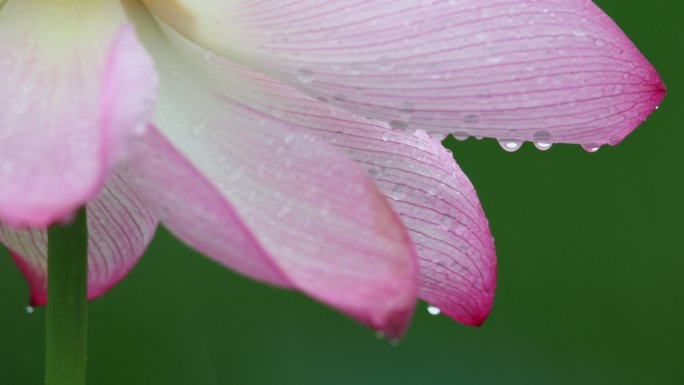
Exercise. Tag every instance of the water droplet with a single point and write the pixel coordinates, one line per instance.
(379, 334)
(543, 146)
(542, 140)
(386, 135)
(30, 309)
(434, 310)
(305, 75)
(398, 192)
(394, 342)
(591, 147)
(510, 145)
(460, 135)
(471, 119)
(446, 222)
(398, 125)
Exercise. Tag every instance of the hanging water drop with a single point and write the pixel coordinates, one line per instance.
(305, 75)
(30, 309)
(510, 145)
(543, 146)
(460, 135)
(591, 147)
(434, 310)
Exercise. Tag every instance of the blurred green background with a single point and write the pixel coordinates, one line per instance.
(590, 289)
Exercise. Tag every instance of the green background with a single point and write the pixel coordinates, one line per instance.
(590, 288)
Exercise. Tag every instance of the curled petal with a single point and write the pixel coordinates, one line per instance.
(435, 200)
(556, 71)
(75, 86)
(119, 226)
(269, 200)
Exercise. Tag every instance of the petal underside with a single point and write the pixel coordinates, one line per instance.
(119, 227)
(270, 200)
(435, 200)
(557, 71)
(75, 86)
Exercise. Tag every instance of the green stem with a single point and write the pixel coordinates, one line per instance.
(67, 312)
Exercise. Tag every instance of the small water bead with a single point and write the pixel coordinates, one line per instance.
(460, 135)
(542, 140)
(30, 309)
(398, 125)
(305, 75)
(543, 146)
(591, 147)
(340, 97)
(510, 145)
(434, 310)
(471, 119)
(398, 192)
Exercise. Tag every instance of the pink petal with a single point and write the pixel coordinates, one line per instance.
(543, 71)
(76, 85)
(434, 198)
(270, 201)
(120, 228)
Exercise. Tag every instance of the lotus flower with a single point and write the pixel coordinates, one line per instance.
(297, 142)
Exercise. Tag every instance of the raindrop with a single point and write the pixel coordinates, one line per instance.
(305, 75)
(471, 119)
(434, 310)
(446, 222)
(398, 192)
(460, 135)
(591, 147)
(510, 145)
(542, 140)
(543, 146)
(30, 309)
(394, 342)
(398, 125)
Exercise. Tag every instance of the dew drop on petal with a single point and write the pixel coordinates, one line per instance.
(305, 75)
(398, 192)
(434, 310)
(398, 125)
(471, 119)
(30, 309)
(510, 145)
(543, 145)
(460, 135)
(591, 147)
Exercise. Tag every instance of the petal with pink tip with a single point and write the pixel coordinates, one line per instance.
(556, 71)
(436, 201)
(120, 227)
(75, 86)
(269, 200)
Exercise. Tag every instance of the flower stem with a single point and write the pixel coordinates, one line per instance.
(67, 312)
